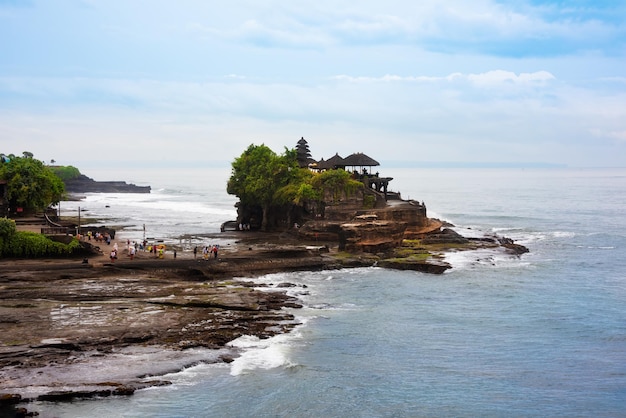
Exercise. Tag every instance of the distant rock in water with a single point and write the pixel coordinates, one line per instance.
(84, 184)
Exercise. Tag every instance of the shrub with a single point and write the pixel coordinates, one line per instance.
(33, 245)
(369, 201)
(7, 227)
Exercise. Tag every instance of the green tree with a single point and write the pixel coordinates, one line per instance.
(258, 174)
(335, 184)
(30, 184)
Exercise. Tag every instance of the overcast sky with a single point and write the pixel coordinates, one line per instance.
(152, 81)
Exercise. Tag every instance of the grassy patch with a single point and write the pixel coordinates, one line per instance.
(343, 255)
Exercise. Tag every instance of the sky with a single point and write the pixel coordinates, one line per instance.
(155, 82)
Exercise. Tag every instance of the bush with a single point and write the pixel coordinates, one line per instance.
(7, 227)
(369, 201)
(33, 245)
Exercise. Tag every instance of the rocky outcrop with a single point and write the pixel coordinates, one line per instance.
(511, 246)
(446, 236)
(373, 230)
(372, 236)
(430, 266)
(84, 184)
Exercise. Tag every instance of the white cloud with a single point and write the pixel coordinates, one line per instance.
(487, 79)
(366, 74)
(499, 77)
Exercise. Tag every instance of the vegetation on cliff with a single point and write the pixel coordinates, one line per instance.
(31, 185)
(66, 172)
(274, 190)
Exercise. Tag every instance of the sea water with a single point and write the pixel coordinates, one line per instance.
(543, 334)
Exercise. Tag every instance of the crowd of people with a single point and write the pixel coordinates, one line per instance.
(158, 250)
(207, 251)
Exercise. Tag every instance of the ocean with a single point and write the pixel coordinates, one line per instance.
(539, 335)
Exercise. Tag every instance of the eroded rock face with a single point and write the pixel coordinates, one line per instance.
(372, 237)
(320, 230)
(413, 215)
(373, 231)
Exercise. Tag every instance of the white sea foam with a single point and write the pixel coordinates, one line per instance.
(262, 353)
(484, 257)
(563, 234)
(90, 368)
(593, 247)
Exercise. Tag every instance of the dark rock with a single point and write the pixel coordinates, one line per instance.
(10, 398)
(432, 267)
(69, 346)
(447, 236)
(23, 412)
(123, 391)
(68, 395)
(511, 246)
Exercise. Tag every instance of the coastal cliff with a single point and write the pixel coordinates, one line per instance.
(84, 184)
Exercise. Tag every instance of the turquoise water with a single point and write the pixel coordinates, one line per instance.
(540, 335)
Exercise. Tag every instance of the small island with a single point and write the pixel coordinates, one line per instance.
(343, 202)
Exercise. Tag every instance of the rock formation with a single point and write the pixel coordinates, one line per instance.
(84, 184)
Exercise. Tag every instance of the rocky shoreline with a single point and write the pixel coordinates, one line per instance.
(59, 317)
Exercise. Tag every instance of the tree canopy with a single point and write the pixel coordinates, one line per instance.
(65, 172)
(278, 187)
(30, 184)
(258, 174)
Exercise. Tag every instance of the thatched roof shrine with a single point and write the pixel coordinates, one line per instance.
(359, 160)
(333, 162)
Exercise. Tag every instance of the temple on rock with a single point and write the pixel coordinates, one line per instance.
(361, 166)
(375, 219)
